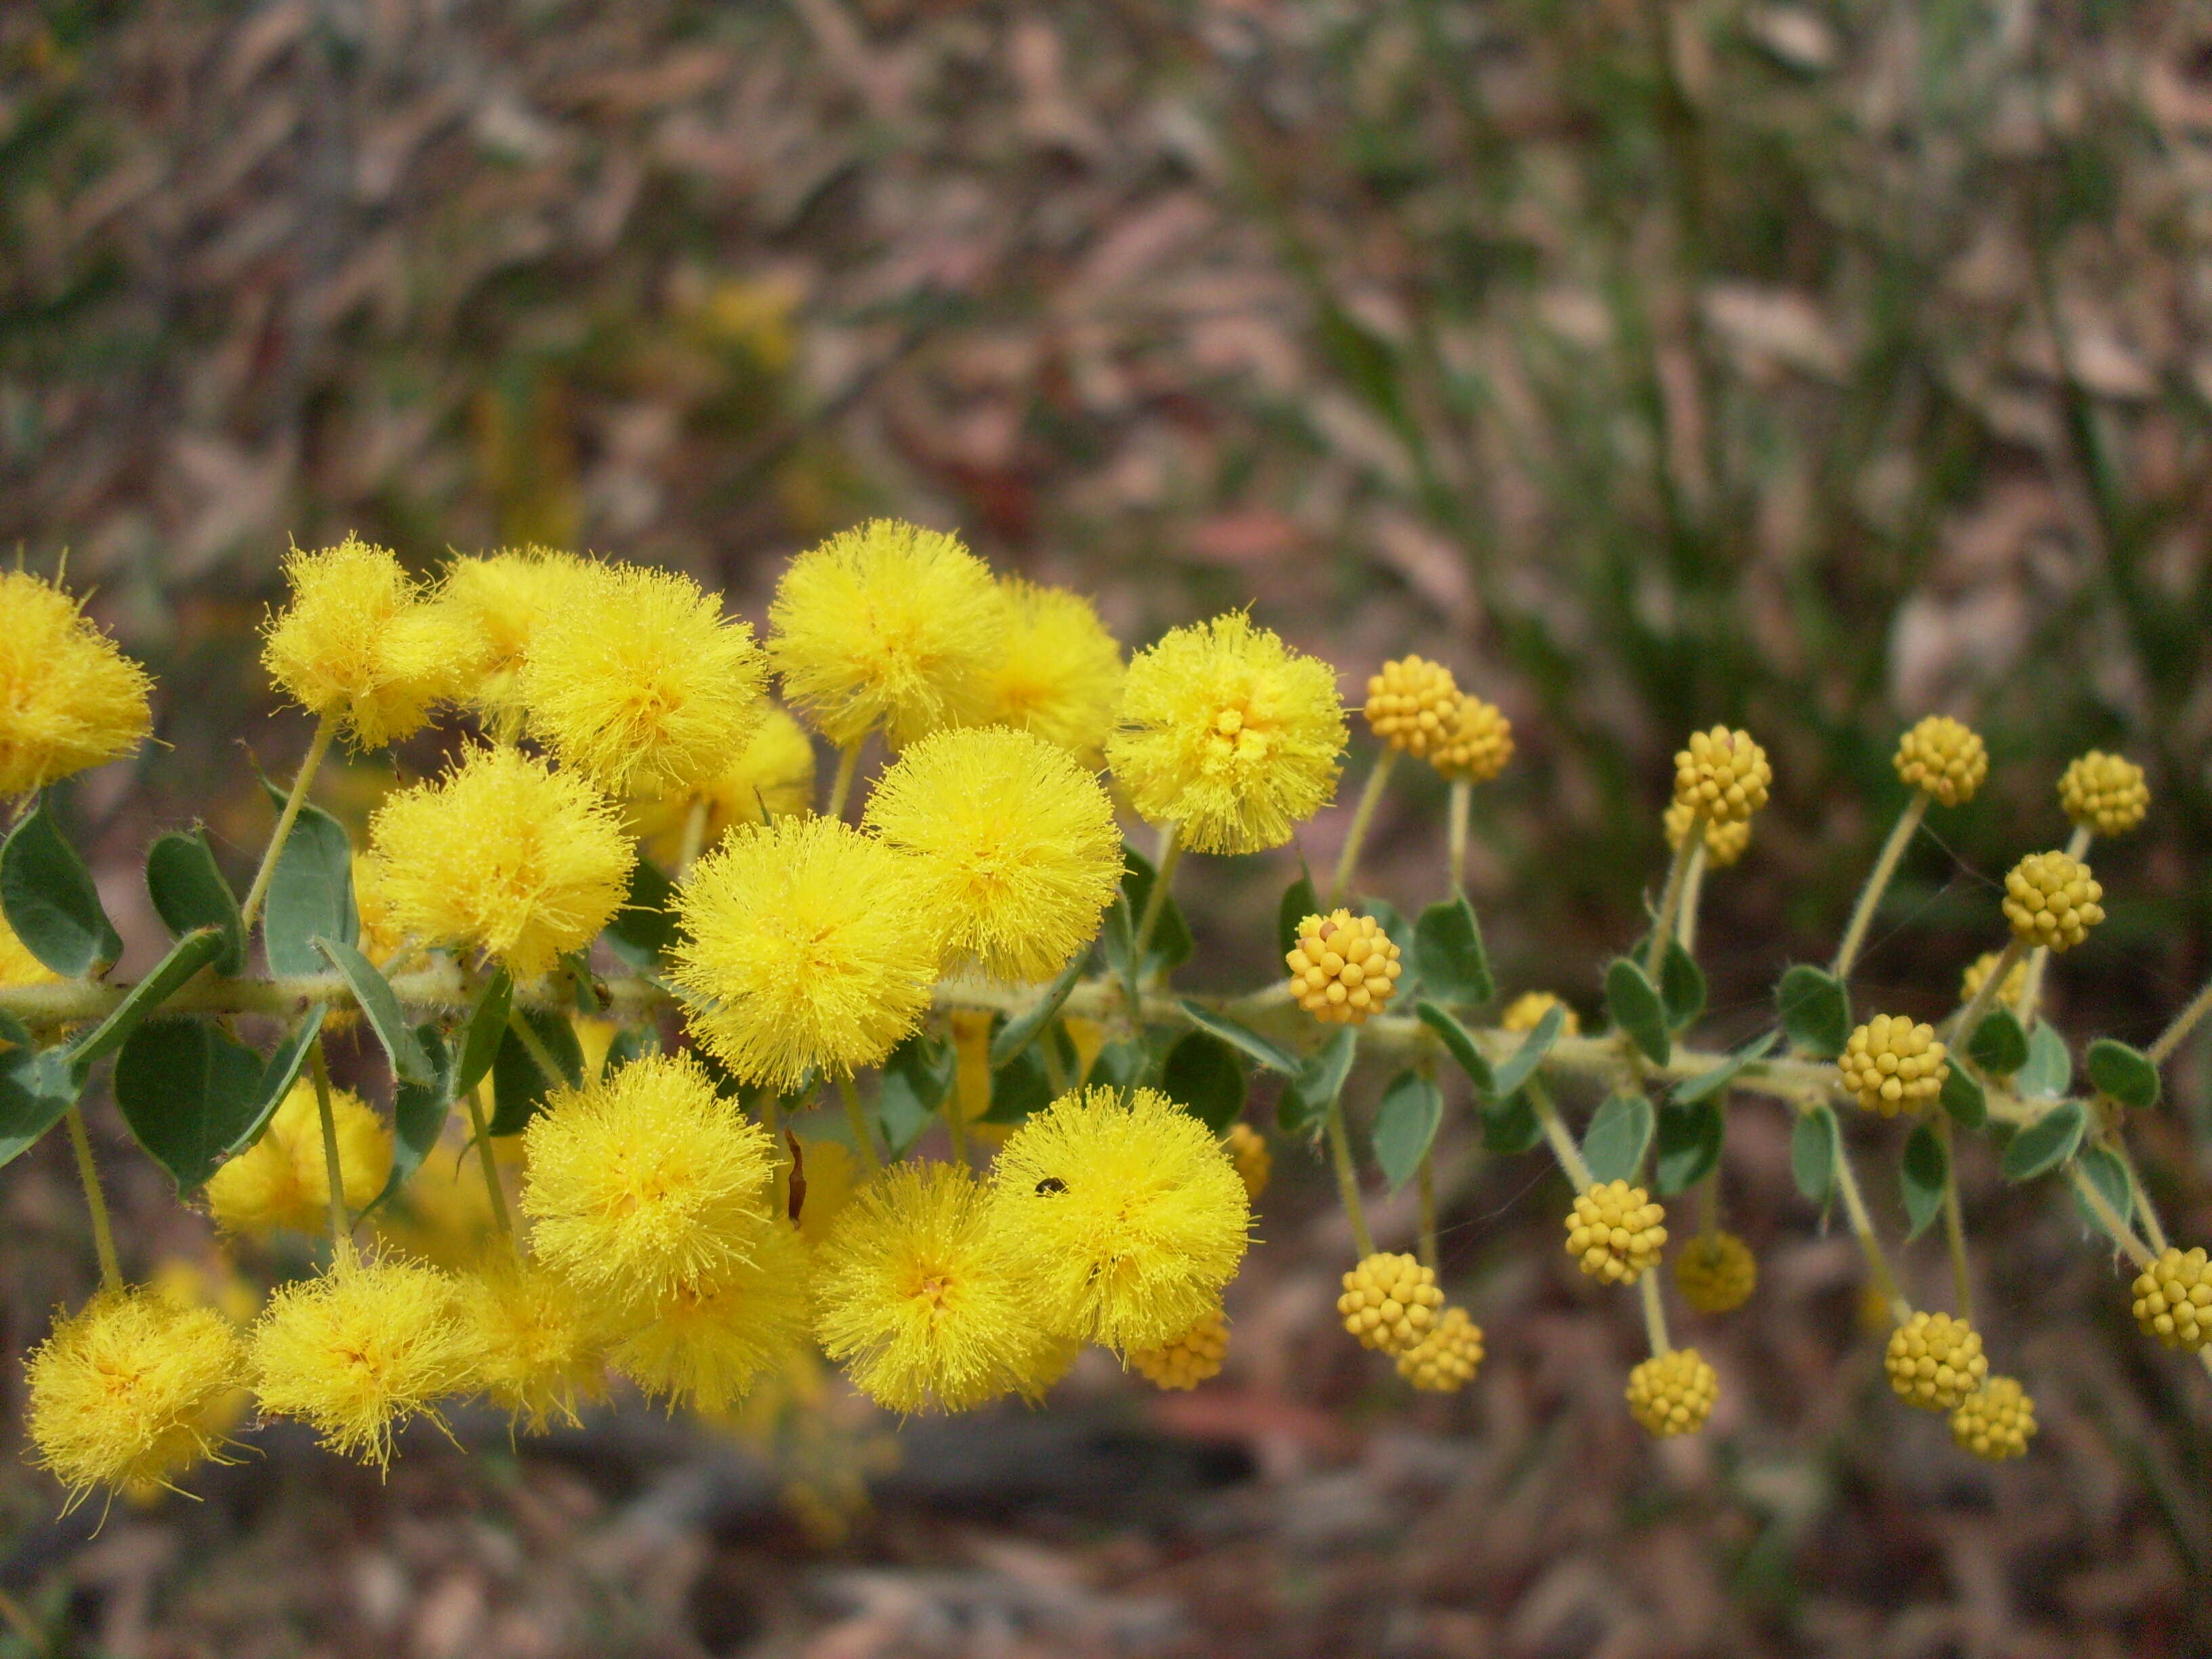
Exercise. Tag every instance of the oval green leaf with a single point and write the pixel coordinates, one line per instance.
(310, 896)
(1460, 1044)
(1962, 1097)
(419, 1111)
(2124, 1072)
(519, 1084)
(1203, 1075)
(189, 893)
(1815, 1009)
(1522, 1064)
(50, 900)
(1686, 1143)
(1815, 1143)
(1998, 1046)
(374, 994)
(1449, 956)
(1681, 986)
(1618, 1134)
(36, 1088)
(2050, 1068)
(1921, 1173)
(188, 1092)
(1272, 1056)
(1633, 1003)
(2045, 1143)
(1307, 1097)
(1406, 1125)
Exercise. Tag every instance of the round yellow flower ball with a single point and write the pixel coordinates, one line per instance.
(1943, 759)
(1722, 775)
(1673, 1393)
(1344, 968)
(1389, 1302)
(2052, 899)
(1186, 1361)
(1894, 1065)
(1412, 704)
(1935, 1361)
(2104, 792)
(1615, 1232)
(69, 699)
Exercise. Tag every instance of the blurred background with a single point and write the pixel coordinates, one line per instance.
(1810, 367)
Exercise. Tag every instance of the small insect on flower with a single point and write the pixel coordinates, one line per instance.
(1184, 1361)
(639, 681)
(542, 1343)
(1015, 849)
(1935, 1361)
(646, 1183)
(915, 1293)
(2104, 792)
(1412, 704)
(771, 777)
(498, 601)
(1446, 1359)
(888, 626)
(1673, 1393)
(2052, 899)
(807, 947)
(1389, 1302)
(1479, 744)
(69, 699)
(1344, 968)
(1123, 1218)
(362, 1350)
(1943, 759)
(1725, 843)
(359, 644)
(1722, 775)
(705, 1346)
(1228, 733)
(1056, 675)
(284, 1180)
(1894, 1065)
(129, 1391)
(503, 855)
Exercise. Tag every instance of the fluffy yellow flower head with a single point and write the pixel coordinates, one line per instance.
(17, 965)
(1124, 1217)
(1227, 731)
(1716, 1272)
(1725, 843)
(1996, 1421)
(129, 1391)
(639, 683)
(1526, 1013)
(2052, 899)
(362, 1350)
(360, 645)
(1673, 1394)
(646, 1183)
(541, 1344)
(1186, 1361)
(888, 626)
(2104, 792)
(808, 947)
(1479, 744)
(1722, 774)
(503, 855)
(1016, 853)
(498, 601)
(1944, 759)
(704, 1347)
(771, 777)
(1057, 674)
(283, 1179)
(69, 699)
(915, 1293)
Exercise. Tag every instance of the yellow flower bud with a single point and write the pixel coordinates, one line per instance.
(1615, 1232)
(2173, 1298)
(1996, 1422)
(1479, 744)
(2051, 899)
(1526, 1011)
(1446, 1359)
(1724, 843)
(1389, 1302)
(1722, 774)
(2104, 792)
(1894, 1065)
(1412, 705)
(1943, 759)
(1716, 1272)
(1186, 1361)
(1344, 968)
(1935, 1361)
(1673, 1394)
(1248, 1150)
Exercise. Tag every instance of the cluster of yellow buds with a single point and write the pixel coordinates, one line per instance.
(1673, 1393)
(1446, 1359)
(2173, 1298)
(1978, 973)
(1526, 1011)
(1943, 759)
(1615, 1233)
(1996, 1421)
(1412, 705)
(1479, 744)
(1344, 968)
(1722, 775)
(1389, 1302)
(2052, 899)
(1186, 1361)
(1726, 839)
(1894, 1065)
(1716, 1272)
(1248, 1150)
(1935, 1361)
(2104, 792)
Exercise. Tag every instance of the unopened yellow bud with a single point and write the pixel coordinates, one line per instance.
(1389, 1302)
(1716, 1272)
(1894, 1065)
(1186, 1361)
(1935, 1361)
(1526, 1011)
(1996, 1422)
(1248, 1150)
(2051, 899)
(1724, 843)
(2173, 1298)
(1344, 968)
(1943, 759)
(1615, 1232)
(1722, 775)
(2104, 792)
(1673, 1394)
(1478, 745)
(1412, 705)
(1446, 1359)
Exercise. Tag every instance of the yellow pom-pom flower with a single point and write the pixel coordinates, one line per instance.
(503, 855)
(282, 1179)
(1716, 1272)
(1122, 1214)
(705, 1347)
(1479, 744)
(360, 645)
(1344, 968)
(17, 965)
(1979, 970)
(1996, 1422)
(889, 627)
(69, 699)
(1725, 843)
(1228, 733)
(1615, 1233)
(1185, 1361)
(1057, 674)
(2051, 899)
(645, 1183)
(914, 1293)
(1935, 1361)
(1248, 1150)
(1943, 759)
(1894, 1065)
(1015, 850)
(2104, 792)
(1389, 1302)
(1446, 1359)
(2173, 1298)
(129, 1391)
(1412, 704)
(1526, 1013)
(772, 777)
(542, 1344)
(1722, 775)
(362, 1350)
(498, 602)
(806, 947)
(1673, 1393)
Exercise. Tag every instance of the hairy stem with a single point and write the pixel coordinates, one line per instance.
(1562, 1144)
(2116, 1228)
(1955, 1222)
(841, 787)
(1461, 799)
(1363, 817)
(95, 1201)
(1655, 1313)
(1170, 854)
(2152, 1230)
(1877, 883)
(1425, 1176)
(1970, 1017)
(2184, 1023)
(1347, 1180)
(864, 1140)
(1693, 888)
(1670, 896)
(1863, 1229)
(489, 1163)
(333, 1165)
(317, 747)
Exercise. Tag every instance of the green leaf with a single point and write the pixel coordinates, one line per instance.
(1681, 987)
(36, 1088)
(1448, 954)
(1634, 1005)
(1615, 1144)
(1509, 1125)
(1815, 1009)
(1963, 1099)
(1308, 1097)
(1299, 901)
(1273, 1055)
(1688, 1144)
(483, 1031)
(1406, 1125)
(1119, 1066)
(278, 1077)
(1691, 1090)
(2110, 1177)
(373, 992)
(1170, 945)
(187, 957)
(50, 900)
(1999, 1046)
(2050, 1068)
(645, 927)
(310, 894)
(1017, 1033)
(1461, 1046)
(1815, 1143)
(1400, 932)
(190, 893)
(917, 1077)
(2045, 1143)
(1521, 1064)
(2124, 1072)
(519, 1086)
(188, 1092)
(1203, 1074)
(1920, 1177)
(1020, 1087)
(584, 988)
(419, 1111)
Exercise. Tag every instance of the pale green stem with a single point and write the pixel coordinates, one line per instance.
(333, 1165)
(548, 1067)
(1884, 1282)
(1462, 797)
(1677, 868)
(1055, 1073)
(694, 833)
(1169, 854)
(1971, 1016)
(1347, 1180)
(1655, 1313)
(2153, 1230)
(317, 747)
(489, 1163)
(1363, 816)
(2109, 1219)
(848, 760)
(1426, 1178)
(857, 1121)
(1877, 883)
(2184, 1023)
(95, 1201)
(1562, 1144)
(1955, 1222)
(1693, 888)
